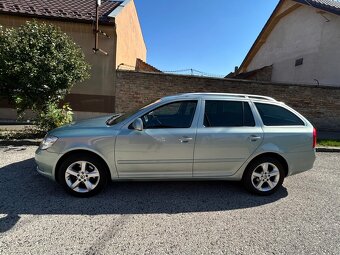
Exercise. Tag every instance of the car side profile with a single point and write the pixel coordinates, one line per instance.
(194, 136)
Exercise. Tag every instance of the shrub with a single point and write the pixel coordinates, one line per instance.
(53, 116)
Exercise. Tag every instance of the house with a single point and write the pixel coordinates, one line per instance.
(121, 38)
(300, 43)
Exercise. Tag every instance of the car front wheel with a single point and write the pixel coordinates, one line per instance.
(264, 176)
(82, 175)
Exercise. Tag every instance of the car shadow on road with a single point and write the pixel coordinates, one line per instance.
(24, 191)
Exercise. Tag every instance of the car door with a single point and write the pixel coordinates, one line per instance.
(227, 135)
(165, 146)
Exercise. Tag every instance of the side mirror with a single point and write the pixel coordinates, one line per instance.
(137, 124)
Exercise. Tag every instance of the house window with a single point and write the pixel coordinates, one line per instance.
(299, 62)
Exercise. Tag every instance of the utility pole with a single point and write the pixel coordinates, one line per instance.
(97, 31)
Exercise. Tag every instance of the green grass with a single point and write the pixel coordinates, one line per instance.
(330, 143)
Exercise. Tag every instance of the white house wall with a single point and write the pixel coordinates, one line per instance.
(304, 33)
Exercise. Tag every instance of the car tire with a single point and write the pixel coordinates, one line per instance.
(82, 175)
(264, 176)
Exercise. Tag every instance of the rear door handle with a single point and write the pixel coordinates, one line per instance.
(255, 138)
(185, 139)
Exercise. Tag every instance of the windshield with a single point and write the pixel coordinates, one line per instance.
(117, 118)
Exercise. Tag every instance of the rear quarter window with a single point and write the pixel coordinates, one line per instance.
(273, 115)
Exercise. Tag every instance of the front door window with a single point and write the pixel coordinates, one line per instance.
(173, 115)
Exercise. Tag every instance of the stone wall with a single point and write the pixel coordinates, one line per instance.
(321, 105)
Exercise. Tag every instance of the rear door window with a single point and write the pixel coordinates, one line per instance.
(220, 113)
(273, 115)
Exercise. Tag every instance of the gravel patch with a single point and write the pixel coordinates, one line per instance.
(38, 217)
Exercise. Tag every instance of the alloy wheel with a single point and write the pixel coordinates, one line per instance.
(82, 176)
(265, 177)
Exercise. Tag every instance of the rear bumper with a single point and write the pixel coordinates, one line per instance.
(299, 162)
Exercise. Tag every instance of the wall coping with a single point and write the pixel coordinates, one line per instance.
(118, 9)
(232, 80)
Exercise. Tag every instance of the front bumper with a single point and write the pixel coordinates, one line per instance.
(46, 162)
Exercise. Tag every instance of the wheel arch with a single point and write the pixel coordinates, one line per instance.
(277, 156)
(81, 152)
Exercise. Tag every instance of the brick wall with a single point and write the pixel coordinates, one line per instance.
(321, 105)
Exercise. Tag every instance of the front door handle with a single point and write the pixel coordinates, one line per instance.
(185, 139)
(255, 138)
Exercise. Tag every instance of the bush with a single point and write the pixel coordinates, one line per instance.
(54, 117)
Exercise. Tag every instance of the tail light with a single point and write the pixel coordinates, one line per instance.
(314, 137)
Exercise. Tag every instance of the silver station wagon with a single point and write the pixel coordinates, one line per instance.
(194, 136)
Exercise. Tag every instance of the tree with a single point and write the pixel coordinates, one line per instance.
(39, 64)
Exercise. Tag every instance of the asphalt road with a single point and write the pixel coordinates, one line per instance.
(37, 217)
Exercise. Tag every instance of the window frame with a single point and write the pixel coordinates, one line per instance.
(241, 100)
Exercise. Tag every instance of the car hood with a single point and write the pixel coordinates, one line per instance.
(89, 127)
(94, 122)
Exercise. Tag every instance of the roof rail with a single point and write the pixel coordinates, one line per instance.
(232, 95)
(261, 97)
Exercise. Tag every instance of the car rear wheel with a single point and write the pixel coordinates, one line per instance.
(82, 176)
(264, 176)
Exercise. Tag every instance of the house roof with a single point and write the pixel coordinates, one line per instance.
(332, 6)
(75, 10)
(143, 66)
(248, 75)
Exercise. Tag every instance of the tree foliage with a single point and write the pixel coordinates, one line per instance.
(39, 64)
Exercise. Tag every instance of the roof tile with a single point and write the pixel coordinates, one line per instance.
(332, 6)
(82, 10)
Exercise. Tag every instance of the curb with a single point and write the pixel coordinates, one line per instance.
(36, 142)
(327, 149)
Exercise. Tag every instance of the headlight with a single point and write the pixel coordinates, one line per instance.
(48, 142)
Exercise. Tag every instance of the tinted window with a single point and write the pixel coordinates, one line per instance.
(227, 114)
(117, 118)
(173, 115)
(273, 115)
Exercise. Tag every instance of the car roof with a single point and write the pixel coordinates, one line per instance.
(216, 95)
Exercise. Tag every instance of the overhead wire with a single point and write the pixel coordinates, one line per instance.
(186, 71)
